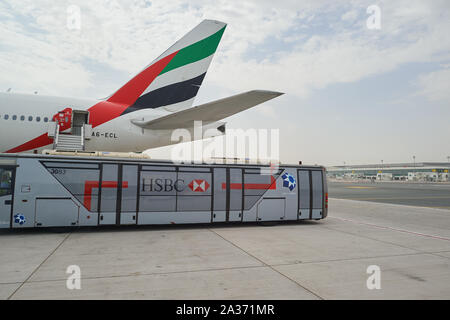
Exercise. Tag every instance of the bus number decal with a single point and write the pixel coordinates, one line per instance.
(57, 171)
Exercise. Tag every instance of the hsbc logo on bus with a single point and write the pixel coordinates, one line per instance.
(199, 185)
(162, 185)
(178, 185)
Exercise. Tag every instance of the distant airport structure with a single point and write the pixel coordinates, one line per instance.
(419, 171)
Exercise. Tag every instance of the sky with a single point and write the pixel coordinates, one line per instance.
(355, 91)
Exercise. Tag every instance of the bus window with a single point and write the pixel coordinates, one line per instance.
(129, 194)
(109, 193)
(196, 193)
(158, 191)
(304, 187)
(236, 189)
(317, 184)
(5, 181)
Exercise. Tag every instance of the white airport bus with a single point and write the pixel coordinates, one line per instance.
(61, 191)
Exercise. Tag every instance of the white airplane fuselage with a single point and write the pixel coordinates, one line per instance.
(117, 134)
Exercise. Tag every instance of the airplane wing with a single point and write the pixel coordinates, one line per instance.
(209, 112)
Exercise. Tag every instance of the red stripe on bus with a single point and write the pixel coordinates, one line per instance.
(252, 186)
(89, 185)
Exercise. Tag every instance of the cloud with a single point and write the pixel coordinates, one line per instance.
(316, 43)
(435, 86)
(350, 15)
(347, 53)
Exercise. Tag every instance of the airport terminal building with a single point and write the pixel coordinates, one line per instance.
(419, 171)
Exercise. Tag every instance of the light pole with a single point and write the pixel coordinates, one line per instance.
(381, 176)
(344, 170)
(414, 170)
(448, 170)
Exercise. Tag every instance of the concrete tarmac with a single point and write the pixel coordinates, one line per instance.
(325, 259)
(433, 195)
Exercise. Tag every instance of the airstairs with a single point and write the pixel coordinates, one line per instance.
(75, 141)
(68, 142)
(70, 129)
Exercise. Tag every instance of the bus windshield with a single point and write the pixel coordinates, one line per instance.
(5, 181)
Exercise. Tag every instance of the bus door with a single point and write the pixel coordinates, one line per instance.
(317, 194)
(227, 200)
(220, 195)
(304, 194)
(118, 194)
(310, 194)
(235, 199)
(7, 175)
(128, 194)
(108, 194)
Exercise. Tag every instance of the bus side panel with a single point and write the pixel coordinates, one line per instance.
(289, 193)
(286, 194)
(258, 185)
(87, 218)
(175, 197)
(271, 209)
(80, 180)
(251, 214)
(174, 217)
(56, 212)
(5, 211)
(34, 181)
(278, 190)
(219, 212)
(304, 194)
(317, 194)
(167, 195)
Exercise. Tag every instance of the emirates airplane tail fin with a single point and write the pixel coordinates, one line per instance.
(173, 79)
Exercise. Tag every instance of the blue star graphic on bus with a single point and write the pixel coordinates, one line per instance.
(289, 181)
(19, 218)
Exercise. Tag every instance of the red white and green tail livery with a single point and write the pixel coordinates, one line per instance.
(140, 115)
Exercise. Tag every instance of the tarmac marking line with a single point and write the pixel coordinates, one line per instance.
(382, 241)
(359, 258)
(440, 255)
(243, 267)
(17, 282)
(144, 274)
(356, 187)
(37, 268)
(394, 203)
(419, 252)
(394, 229)
(236, 268)
(269, 266)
